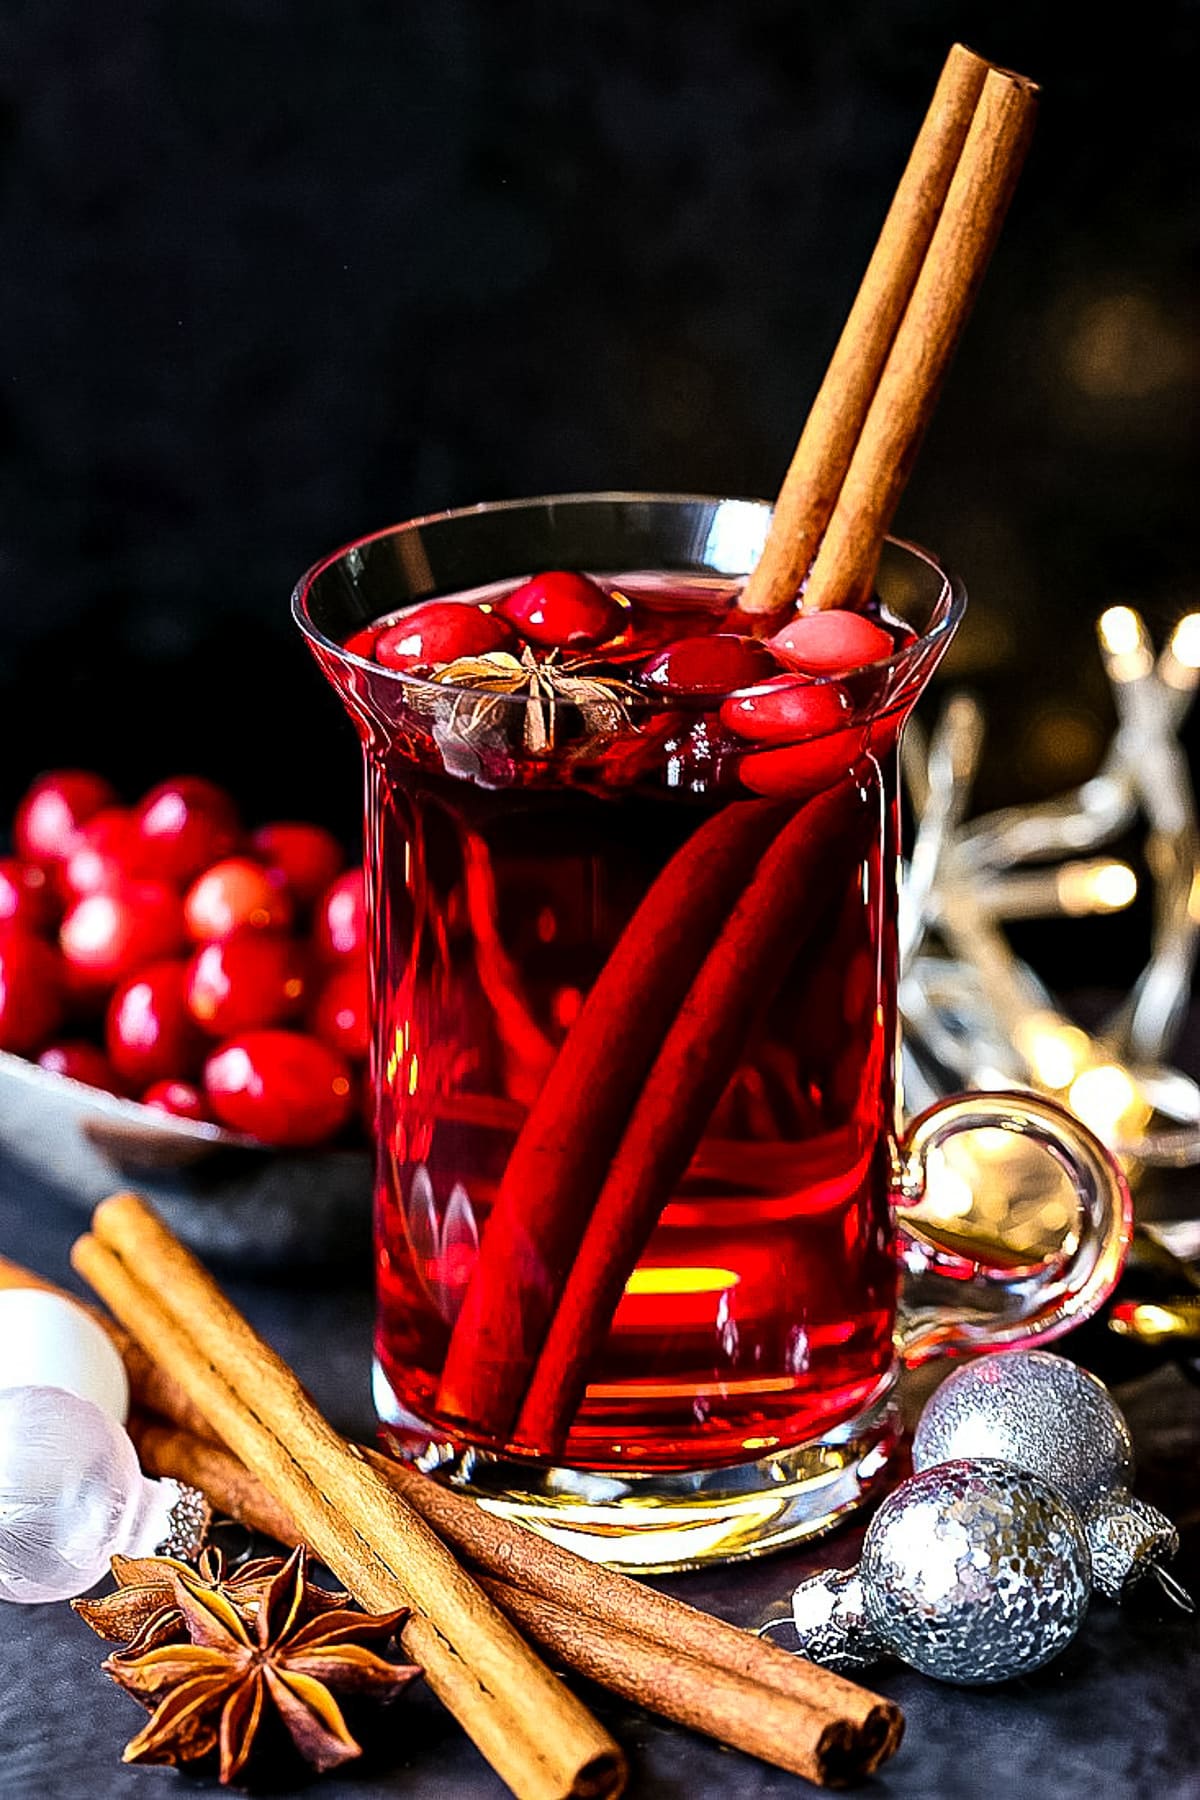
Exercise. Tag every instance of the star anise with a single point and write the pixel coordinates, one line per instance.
(216, 1691)
(141, 1613)
(600, 699)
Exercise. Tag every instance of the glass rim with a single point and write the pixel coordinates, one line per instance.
(947, 609)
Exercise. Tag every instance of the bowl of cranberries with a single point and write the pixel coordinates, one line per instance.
(184, 1006)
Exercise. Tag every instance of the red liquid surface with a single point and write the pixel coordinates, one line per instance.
(760, 1309)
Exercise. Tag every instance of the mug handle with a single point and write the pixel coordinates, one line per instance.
(960, 1299)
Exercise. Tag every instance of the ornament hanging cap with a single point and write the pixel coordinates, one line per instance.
(829, 1617)
(189, 1519)
(1129, 1540)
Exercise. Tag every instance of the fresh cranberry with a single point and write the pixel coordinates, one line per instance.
(307, 857)
(793, 771)
(27, 898)
(280, 1086)
(53, 810)
(562, 610)
(81, 1062)
(106, 936)
(149, 1031)
(187, 823)
(250, 979)
(341, 1017)
(234, 893)
(108, 849)
(784, 709)
(31, 994)
(710, 667)
(340, 923)
(833, 642)
(440, 631)
(179, 1098)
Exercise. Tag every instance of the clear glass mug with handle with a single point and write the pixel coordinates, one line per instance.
(651, 1240)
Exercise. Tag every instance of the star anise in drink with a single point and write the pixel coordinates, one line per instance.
(141, 1613)
(238, 1673)
(545, 684)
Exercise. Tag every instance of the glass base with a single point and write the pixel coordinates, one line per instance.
(663, 1521)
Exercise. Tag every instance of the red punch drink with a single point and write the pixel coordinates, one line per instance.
(539, 941)
(632, 870)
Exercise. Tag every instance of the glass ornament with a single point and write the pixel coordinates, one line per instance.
(72, 1496)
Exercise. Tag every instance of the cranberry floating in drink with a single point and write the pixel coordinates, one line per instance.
(439, 633)
(632, 915)
(563, 610)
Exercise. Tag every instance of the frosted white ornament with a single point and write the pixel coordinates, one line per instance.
(72, 1496)
(48, 1341)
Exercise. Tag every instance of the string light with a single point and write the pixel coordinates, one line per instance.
(1096, 887)
(1125, 644)
(975, 1014)
(1056, 1052)
(1107, 1098)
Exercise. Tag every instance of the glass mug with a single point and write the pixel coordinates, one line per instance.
(646, 1260)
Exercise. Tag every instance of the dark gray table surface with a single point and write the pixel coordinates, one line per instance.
(1118, 1715)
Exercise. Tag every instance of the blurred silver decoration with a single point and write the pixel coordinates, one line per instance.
(972, 1572)
(977, 1016)
(1045, 1415)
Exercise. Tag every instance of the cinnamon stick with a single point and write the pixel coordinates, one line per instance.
(168, 1445)
(822, 457)
(925, 341)
(775, 914)
(602, 1624)
(708, 1699)
(537, 1737)
(663, 1655)
(559, 1159)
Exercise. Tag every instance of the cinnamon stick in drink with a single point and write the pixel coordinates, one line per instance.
(540, 1740)
(559, 1159)
(765, 931)
(831, 431)
(925, 341)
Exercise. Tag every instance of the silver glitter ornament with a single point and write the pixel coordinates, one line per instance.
(972, 1572)
(1047, 1416)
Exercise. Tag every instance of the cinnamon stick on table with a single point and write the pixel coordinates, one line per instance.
(861, 437)
(536, 1735)
(841, 1731)
(651, 1649)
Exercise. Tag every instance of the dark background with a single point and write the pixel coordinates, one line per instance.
(275, 275)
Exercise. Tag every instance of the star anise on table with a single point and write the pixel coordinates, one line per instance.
(237, 1673)
(546, 684)
(141, 1613)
